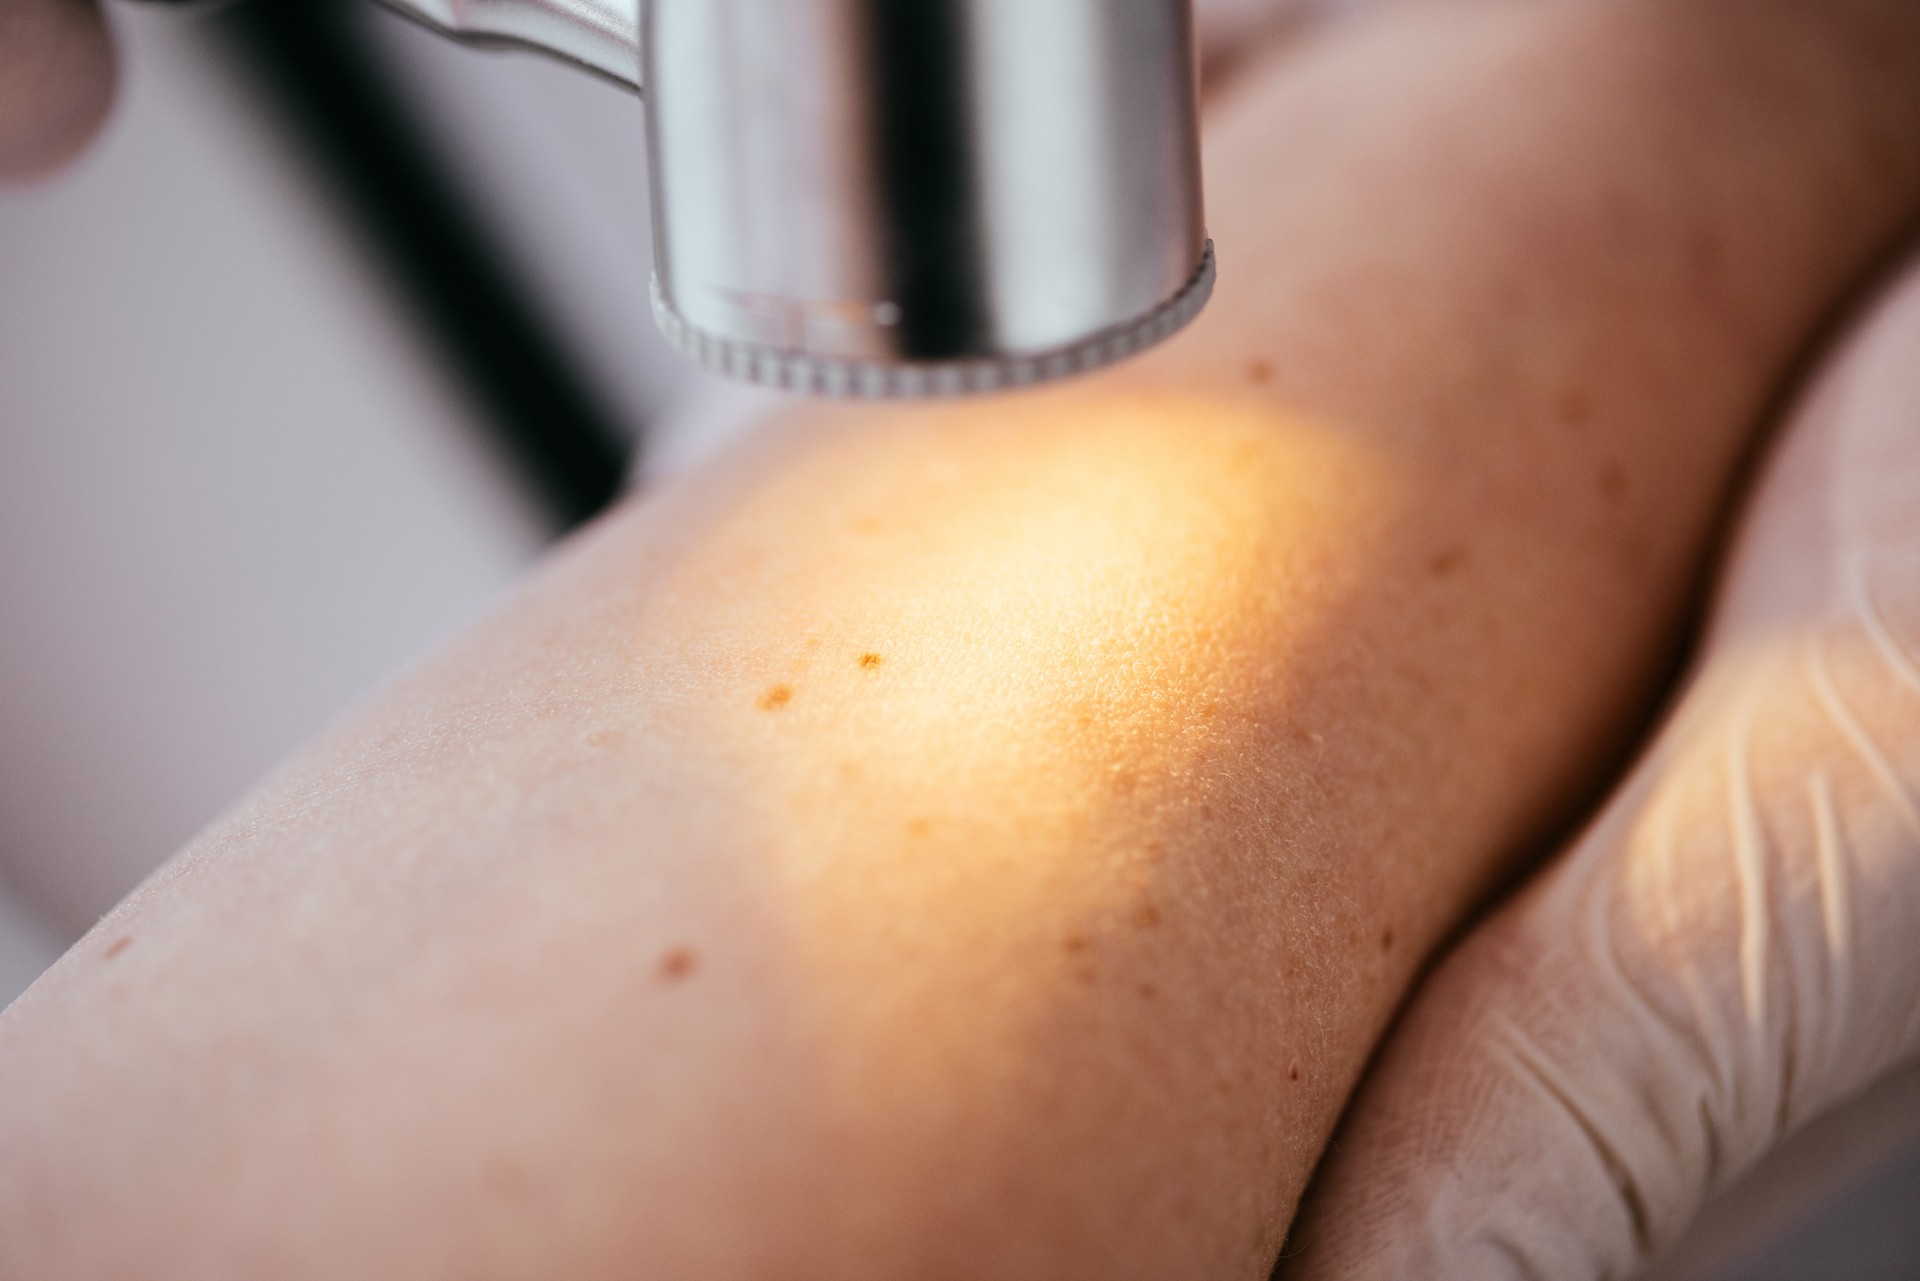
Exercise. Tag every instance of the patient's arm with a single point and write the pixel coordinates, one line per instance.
(985, 841)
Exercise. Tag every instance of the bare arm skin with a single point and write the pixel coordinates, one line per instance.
(985, 841)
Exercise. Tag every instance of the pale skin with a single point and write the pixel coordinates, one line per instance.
(987, 840)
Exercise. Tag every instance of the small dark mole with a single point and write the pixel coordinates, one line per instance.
(1076, 943)
(1293, 1073)
(1613, 482)
(1156, 852)
(1575, 408)
(1386, 939)
(1704, 255)
(118, 946)
(509, 1180)
(1444, 563)
(1148, 991)
(1260, 372)
(870, 661)
(919, 827)
(776, 698)
(601, 738)
(678, 964)
(1146, 916)
(1210, 711)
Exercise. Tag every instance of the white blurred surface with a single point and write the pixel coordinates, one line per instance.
(27, 945)
(234, 491)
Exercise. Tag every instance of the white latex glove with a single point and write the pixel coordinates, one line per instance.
(1732, 947)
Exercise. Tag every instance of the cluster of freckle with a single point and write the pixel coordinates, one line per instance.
(779, 696)
(679, 963)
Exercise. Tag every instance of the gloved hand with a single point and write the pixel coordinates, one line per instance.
(56, 82)
(1731, 948)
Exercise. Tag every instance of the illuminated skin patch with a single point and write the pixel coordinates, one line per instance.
(1009, 797)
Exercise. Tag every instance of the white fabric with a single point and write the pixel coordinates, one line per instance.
(1732, 948)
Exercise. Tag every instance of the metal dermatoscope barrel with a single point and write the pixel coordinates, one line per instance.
(901, 197)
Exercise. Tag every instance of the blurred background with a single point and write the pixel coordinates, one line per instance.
(335, 329)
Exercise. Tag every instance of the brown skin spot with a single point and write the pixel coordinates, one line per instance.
(1260, 372)
(870, 661)
(919, 827)
(1575, 408)
(1704, 256)
(118, 946)
(1445, 562)
(1076, 944)
(1613, 482)
(1386, 939)
(601, 739)
(1147, 991)
(1293, 1073)
(678, 964)
(1146, 916)
(776, 698)
(508, 1180)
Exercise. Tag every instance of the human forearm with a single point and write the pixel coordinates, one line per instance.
(986, 840)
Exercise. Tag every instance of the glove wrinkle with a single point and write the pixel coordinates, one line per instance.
(1730, 950)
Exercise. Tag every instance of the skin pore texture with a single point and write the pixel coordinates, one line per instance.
(56, 82)
(987, 840)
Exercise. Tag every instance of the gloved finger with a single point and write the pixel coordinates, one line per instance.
(56, 82)
(1732, 948)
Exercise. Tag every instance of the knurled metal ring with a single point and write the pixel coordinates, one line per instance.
(877, 379)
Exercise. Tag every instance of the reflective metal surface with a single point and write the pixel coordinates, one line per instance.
(892, 197)
(600, 35)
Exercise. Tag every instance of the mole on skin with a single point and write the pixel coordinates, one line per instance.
(776, 698)
(870, 661)
(678, 964)
(118, 946)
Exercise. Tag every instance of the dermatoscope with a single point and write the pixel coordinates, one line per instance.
(901, 197)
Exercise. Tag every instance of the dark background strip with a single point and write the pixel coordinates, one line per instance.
(314, 64)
